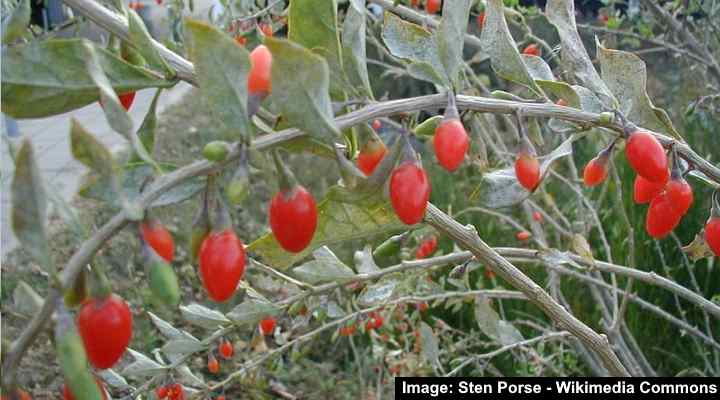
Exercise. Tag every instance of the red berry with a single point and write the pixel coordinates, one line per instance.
(370, 155)
(426, 248)
(409, 192)
(213, 364)
(531, 50)
(259, 82)
(378, 321)
(490, 274)
(680, 195)
(422, 307)
(222, 264)
(241, 40)
(376, 124)
(451, 142)
(432, 6)
(127, 99)
(267, 326)
(644, 190)
(226, 349)
(662, 217)
(481, 20)
(523, 235)
(158, 237)
(293, 218)
(537, 216)
(67, 394)
(595, 171)
(712, 235)
(347, 330)
(527, 170)
(266, 30)
(176, 392)
(221, 397)
(161, 392)
(159, 2)
(105, 326)
(647, 157)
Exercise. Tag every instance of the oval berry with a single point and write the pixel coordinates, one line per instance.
(644, 190)
(222, 264)
(595, 171)
(409, 192)
(213, 365)
(451, 142)
(370, 156)
(712, 235)
(647, 157)
(376, 125)
(680, 194)
(531, 50)
(159, 238)
(426, 248)
(161, 392)
(259, 82)
(481, 20)
(527, 171)
(267, 326)
(522, 235)
(432, 6)
(662, 217)
(105, 326)
(226, 349)
(67, 394)
(293, 218)
(538, 217)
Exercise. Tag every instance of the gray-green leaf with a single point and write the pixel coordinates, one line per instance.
(252, 311)
(353, 41)
(203, 316)
(450, 35)
(325, 268)
(15, 24)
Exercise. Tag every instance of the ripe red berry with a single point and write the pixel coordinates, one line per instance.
(644, 190)
(432, 6)
(376, 124)
(67, 394)
(176, 392)
(378, 321)
(371, 153)
(426, 248)
(161, 392)
(595, 171)
(222, 264)
(662, 217)
(527, 171)
(451, 142)
(531, 50)
(409, 192)
(159, 238)
(347, 330)
(680, 194)
(647, 157)
(712, 234)
(267, 326)
(259, 82)
(481, 20)
(226, 349)
(293, 218)
(127, 99)
(537, 216)
(105, 326)
(213, 365)
(522, 235)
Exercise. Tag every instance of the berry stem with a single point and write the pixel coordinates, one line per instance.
(99, 283)
(286, 179)
(451, 111)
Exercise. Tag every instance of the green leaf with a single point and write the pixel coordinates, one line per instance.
(429, 344)
(575, 59)
(146, 133)
(203, 316)
(313, 25)
(222, 68)
(44, 78)
(14, 25)
(450, 35)
(29, 206)
(626, 76)
(377, 293)
(141, 40)
(326, 267)
(252, 311)
(91, 152)
(353, 41)
(300, 88)
(537, 67)
(143, 366)
(502, 49)
(417, 45)
(560, 90)
(342, 216)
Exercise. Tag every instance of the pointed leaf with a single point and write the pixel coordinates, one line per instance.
(537, 67)
(143, 366)
(146, 133)
(29, 206)
(450, 35)
(91, 152)
(222, 67)
(203, 316)
(44, 78)
(168, 330)
(188, 378)
(377, 293)
(300, 88)
(182, 346)
(429, 344)
(252, 311)
(325, 268)
(502, 49)
(354, 52)
(141, 40)
(113, 379)
(364, 261)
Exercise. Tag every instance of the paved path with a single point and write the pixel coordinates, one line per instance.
(50, 136)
